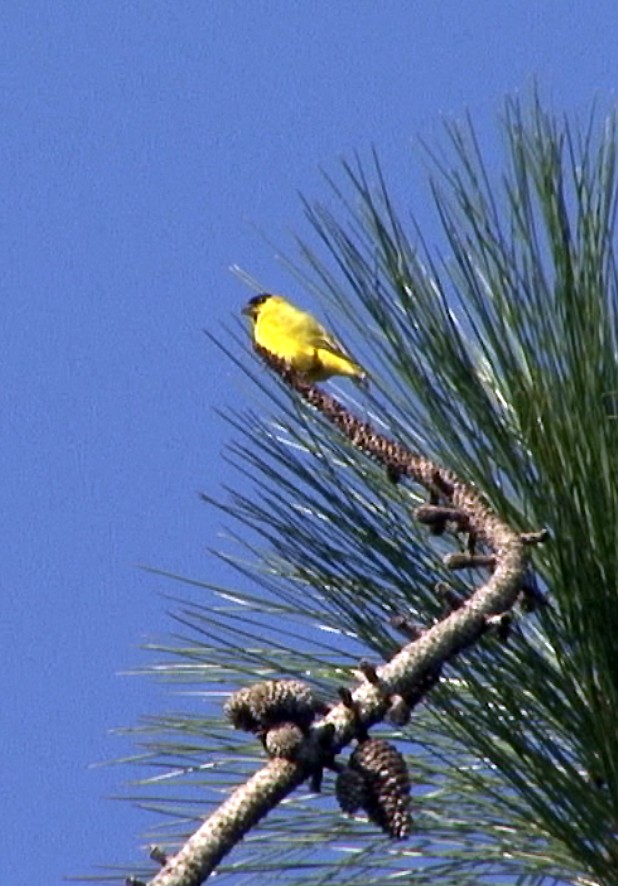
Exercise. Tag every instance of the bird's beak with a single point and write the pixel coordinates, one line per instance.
(248, 311)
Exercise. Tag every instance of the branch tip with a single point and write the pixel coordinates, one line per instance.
(158, 854)
(404, 624)
(535, 538)
(369, 672)
(462, 560)
(452, 601)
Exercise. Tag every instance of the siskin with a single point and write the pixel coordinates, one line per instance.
(297, 337)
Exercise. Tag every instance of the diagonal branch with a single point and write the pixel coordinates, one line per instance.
(408, 674)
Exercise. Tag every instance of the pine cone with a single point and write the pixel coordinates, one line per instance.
(351, 790)
(259, 707)
(387, 783)
(283, 740)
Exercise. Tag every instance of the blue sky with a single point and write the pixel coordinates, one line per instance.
(143, 145)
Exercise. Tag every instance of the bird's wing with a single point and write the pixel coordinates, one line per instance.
(328, 342)
(314, 333)
(304, 327)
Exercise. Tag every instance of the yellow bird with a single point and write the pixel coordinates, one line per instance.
(297, 337)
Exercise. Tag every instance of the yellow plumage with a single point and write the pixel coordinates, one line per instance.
(297, 337)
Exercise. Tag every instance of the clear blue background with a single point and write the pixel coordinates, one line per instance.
(141, 144)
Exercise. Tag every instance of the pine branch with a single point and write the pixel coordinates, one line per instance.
(408, 676)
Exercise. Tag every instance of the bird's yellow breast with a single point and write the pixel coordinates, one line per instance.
(284, 331)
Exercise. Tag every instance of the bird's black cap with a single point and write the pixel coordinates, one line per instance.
(250, 309)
